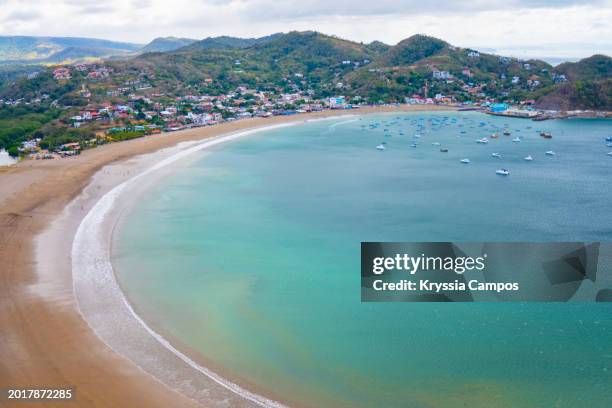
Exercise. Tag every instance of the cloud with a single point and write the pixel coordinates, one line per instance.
(272, 9)
(21, 15)
(511, 24)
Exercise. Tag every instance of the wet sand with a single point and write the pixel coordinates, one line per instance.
(44, 341)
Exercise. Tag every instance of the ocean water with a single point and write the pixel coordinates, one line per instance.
(247, 257)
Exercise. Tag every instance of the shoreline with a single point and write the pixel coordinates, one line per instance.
(94, 275)
(46, 341)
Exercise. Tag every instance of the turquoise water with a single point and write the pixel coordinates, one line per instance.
(248, 257)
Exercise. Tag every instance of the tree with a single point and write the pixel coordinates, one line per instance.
(13, 151)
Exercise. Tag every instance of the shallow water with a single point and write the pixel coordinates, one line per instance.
(249, 256)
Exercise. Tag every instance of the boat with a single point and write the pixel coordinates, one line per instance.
(435, 144)
(516, 139)
(609, 139)
(444, 150)
(484, 140)
(503, 172)
(528, 158)
(546, 135)
(465, 161)
(496, 155)
(506, 132)
(550, 153)
(413, 145)
(608, 144)
(494, 136)
(381, 147)
(609, 153)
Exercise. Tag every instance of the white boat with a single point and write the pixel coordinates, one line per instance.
(503, 172)
(380, 147)
(484, 140)
(528, 158)
(465, 161)
(435, 144)
(496, 155)
(516, 139)
(609, 153)
(550, 153)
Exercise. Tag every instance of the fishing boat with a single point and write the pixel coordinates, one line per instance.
(506, 132)
(516, 139)
(496, 155)
(546, 135)
(484, 140)
(444, 150)
(528, 158)
(503, 172)
(550, 153)
(381, 147)
(465, 161)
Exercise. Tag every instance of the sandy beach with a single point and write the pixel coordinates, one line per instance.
(44, 341)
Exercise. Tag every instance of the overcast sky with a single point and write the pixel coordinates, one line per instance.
(545, 28)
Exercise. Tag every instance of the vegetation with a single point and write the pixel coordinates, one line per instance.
(20, 123)
(165, 44)
(127, 134)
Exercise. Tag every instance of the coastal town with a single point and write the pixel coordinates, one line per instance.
(100, 103)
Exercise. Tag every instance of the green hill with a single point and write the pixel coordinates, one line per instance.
(164, 44)
(413, 49)
(42, 50)
(227, 43)
(589, 85)
(595, 67)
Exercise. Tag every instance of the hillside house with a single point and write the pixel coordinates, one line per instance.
(441, 75)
